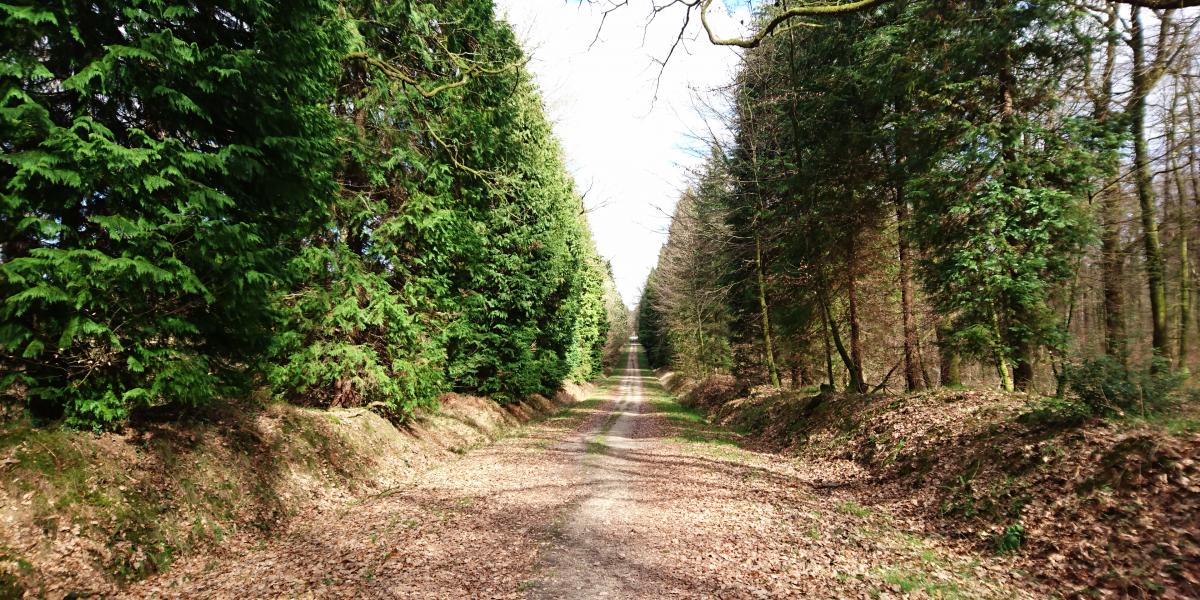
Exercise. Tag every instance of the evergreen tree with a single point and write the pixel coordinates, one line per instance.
(367, 195)
(160, 160)
(999, 211)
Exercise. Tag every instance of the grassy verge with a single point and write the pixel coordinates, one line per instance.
(690, 427)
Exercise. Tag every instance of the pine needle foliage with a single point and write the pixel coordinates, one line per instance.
(353, 203)
(160, 158)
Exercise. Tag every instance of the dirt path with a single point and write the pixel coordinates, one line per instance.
(586, 561)
(627, 495)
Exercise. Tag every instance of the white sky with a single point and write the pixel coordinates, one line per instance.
(631, 150)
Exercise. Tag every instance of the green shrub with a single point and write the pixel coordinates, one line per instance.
(1011, 539)
(1108, 386)
(1056, 412)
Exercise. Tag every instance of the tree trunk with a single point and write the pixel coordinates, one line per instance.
(1185, 267)
(912, 369)
(856, 359)
(1010, 139)
(1023, 368)
(828, 349)
(772, 369)
(1112, 267)
(950, 365)
(1155, 273)
(856, 383)
(1193, 174)
(926, 381)
(1059, 366)
(1006, 382)
(1112, 260)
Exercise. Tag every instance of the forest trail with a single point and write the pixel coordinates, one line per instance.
(586, 561)
(627, 495)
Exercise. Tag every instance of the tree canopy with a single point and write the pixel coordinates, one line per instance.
(352, 203)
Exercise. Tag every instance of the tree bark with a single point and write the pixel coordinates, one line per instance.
(1112, 268)
(1022, 375)
(1185, 267)
(1006, 381)
(1023, 367)
(856, 383)
(769, 352)
(912, 369)
(856, 359)
(1112, 260)
(772, 368)
(950, 365)
(1155, 273)
(828, 349)
(1194, 181)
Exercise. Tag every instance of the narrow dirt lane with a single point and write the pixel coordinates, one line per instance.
(627, 495)
(585, 560)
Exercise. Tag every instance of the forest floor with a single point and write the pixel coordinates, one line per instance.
(626, 495)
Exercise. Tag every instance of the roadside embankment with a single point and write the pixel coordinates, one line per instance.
(1085, 504)
(86, 513)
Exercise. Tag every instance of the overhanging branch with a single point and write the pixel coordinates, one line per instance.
(467, 72)
(833, 9)
(795, 12)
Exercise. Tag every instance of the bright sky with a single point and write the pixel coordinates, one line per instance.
(628, 151)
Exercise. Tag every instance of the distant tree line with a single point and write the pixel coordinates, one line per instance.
(348, 202)
(926, 193)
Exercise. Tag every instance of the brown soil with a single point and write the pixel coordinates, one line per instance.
(1102, 508)
(626, 496)
(85, 514)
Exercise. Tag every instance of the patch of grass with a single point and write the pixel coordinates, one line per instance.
(693, 436)
(693, 427)
(76, 480)
(754, 415)
(1002, 500)
(10, 586)
(853, 508)
(12, 569)
(596, 445)
(70, 480)
(56, 466)
(677, 412)
(1179, 424)
(1054, 413)
(894, 454)
(142, 524)
(587, 405)
(912, 581)
(720, 452)
(609, 422)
